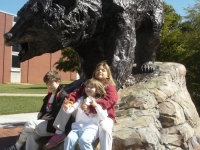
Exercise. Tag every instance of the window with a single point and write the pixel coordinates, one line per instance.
(15, 61)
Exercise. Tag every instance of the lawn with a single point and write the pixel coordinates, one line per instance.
(19, 104)
(22, 104)
(25, 88)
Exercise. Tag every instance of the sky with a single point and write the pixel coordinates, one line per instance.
(12, 6)
(178, 5)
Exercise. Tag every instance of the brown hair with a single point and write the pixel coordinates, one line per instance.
(100, 90)
(52, 76)
(105, 66)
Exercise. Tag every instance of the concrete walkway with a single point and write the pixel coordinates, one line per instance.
(17, 118)
(12, 125)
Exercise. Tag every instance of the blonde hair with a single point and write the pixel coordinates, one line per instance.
(100, 90)
(52, 76)
(105, 66)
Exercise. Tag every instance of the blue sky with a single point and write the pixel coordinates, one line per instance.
(12, 6)
(180, 4)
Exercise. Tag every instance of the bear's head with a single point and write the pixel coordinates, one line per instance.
(46, 26)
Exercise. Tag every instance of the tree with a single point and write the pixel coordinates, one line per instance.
(180, 43)
(191, 31)
(193, 15)
(69, 61)
(171, 45)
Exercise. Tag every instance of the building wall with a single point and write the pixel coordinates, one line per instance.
(6, 21)
(33, 70)
(2, 17)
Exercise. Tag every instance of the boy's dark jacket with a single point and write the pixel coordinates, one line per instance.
(57, 103)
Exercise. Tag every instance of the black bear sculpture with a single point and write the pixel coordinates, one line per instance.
(123, 32)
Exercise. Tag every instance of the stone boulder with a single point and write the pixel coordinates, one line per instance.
(156, 114)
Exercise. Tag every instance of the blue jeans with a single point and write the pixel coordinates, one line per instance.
(85, 141)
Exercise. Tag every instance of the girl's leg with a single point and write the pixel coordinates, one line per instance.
(105, 134)
(88, 136)
(61, 120)
(62, 124)
(71, 140)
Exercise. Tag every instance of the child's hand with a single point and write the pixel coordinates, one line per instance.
(47, 117)
(85, 107)
(66, 101)
(87, 101)
(66, 104)
(93, 101)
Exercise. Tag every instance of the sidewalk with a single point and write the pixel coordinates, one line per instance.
(17, 118)
(11, 126)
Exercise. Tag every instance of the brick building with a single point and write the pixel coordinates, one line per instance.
(30, 71)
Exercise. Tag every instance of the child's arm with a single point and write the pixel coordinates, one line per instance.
(102, 113)
(109, 100)
(70, 109)
(76, 94)
(72, 98)
(46, 116)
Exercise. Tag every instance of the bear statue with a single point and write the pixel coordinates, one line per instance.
(122, 32)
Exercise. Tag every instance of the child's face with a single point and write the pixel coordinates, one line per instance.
(101, 74)
(90, 90)
(52, 86)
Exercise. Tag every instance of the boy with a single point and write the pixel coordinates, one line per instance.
(35, 129)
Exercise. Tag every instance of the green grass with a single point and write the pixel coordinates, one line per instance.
(19, 104)
(25, 88)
